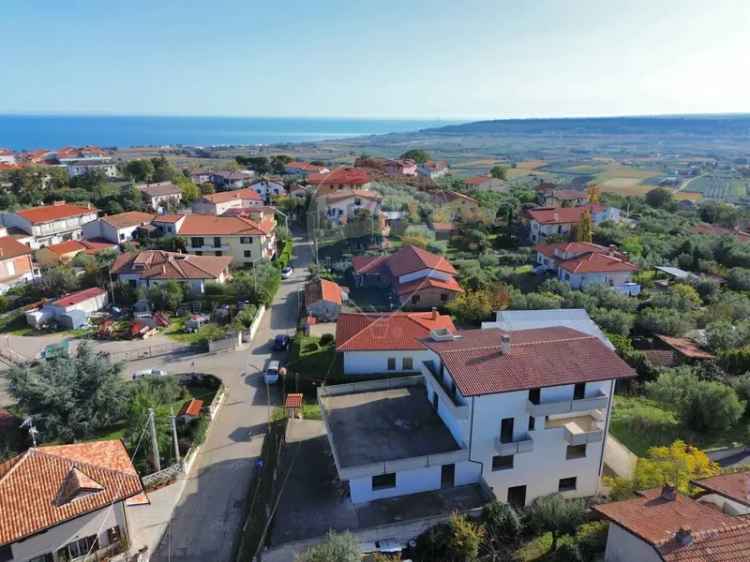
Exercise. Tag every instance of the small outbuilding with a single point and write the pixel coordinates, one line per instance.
(191, 410)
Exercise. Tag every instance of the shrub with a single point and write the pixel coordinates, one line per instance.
(664, 321)
(502, 522)
(735, 361)
(464, 538)
(341, 547)
(556, 515)
(591, 539)
(613, 320)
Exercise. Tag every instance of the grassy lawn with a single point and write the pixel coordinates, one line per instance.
(310, 411)
(318, 362)
(640, 424)
(535, 550)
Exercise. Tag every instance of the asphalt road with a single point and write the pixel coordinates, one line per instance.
(209, 516)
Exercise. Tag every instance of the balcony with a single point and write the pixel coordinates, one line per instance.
(580, 430)
(550, 408)
(459, 411)
(524, 444)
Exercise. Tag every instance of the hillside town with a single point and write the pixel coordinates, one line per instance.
(256, 361)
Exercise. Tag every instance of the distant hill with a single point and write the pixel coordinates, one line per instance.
(727, 126)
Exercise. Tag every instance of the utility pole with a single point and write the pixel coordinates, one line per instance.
(154, 442)
(174, 436)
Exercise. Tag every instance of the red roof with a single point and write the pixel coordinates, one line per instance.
(192, 408)
(209, 225)
(686, 347)
(47, 486)
(716, 537)
(476, 180)
(160, 264)
(568, 248)
(224, 196)
(54, 212)
(538, 358)
(79, 297)
(562, 215)
(449, 284)
(294, 400)
(322, 289)
(88, 246)
(408, 259)
(11, 248)
(362, 193)
(398, 330)
(129, 218)
(305, 166)
(596, 262)
(340, 176)
(734, 486)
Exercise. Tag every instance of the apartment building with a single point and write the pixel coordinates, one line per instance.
(525, 412)
(219, 203)
(51, 224)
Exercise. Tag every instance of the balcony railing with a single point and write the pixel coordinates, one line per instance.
(524, 444)
(552, 407)
(580, 430)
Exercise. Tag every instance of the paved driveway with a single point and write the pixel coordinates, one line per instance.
(210, 514)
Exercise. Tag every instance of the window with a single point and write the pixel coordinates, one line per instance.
(248, 254)
(133, 283)
(407, 364)
(535, 395)
(358, 201)
(443, 297)
(567, 484)
(415, 299)
(198, 253)
(217, 242)
(579, 392)
(502, 462)
(532, 423)
(506, 430)
(81, 547)
(246, 239)
(5, 553)
(114, 535)
(122, 236)
(575, 452)
(384, 481)
(391, 363)
(43, 558)
(196, 242)
(219, 253)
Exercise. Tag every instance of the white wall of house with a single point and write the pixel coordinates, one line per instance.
(102, 229)
(195, 286)
(367, 362)
(347, 207)
(622, 546)
(579, 280)
(96, 523)
(92, 304)
(541, 231)
(52, 232)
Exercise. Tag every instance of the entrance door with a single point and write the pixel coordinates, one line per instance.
(448, 476)
(517, 496)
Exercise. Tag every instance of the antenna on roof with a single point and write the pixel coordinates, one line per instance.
(29, 423)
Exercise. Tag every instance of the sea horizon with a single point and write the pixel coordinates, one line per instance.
(26, 131)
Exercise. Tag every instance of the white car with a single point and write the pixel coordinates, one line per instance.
(149, 373)
(287, 272)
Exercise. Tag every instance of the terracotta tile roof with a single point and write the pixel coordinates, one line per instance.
(11, 248)
(398, 330)
(168, 218)
(322, 289)
(209, 225)
(158, 264)
(294, 400)
(54, 212)
(568, 248)
(340, 176)
(596, 262)
(686, 347)
(430, 283)
(192, 408)
(369, 264)
(562, 215)
(130, 218)
(79, 296)
(224, 196)
(476, 180)
(88, 246)
(47, 486)
(660, 357)
(408, 259)
(160, 189)
(734, 486)
(304, 166)
(351, 194)
(717, 537)
(538, 358)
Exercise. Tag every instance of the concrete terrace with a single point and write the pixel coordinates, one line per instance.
(385, 425)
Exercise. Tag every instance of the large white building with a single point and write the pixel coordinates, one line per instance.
(560, 221)
(525, 412)
(51, 224)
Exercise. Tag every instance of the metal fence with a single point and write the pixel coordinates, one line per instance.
(148, 351)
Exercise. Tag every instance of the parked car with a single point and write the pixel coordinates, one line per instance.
(271, 376)
(287, 272)
(149, 373)
(281, 342)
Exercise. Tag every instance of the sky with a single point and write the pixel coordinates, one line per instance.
(391, 59)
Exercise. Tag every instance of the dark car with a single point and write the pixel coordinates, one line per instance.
(281, 343)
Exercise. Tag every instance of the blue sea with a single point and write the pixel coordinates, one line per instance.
(22, 132)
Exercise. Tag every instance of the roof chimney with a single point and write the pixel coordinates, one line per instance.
(434, 313)
(684, 536)
(668, 492)
(505, 344)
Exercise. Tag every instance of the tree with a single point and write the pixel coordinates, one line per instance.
(71, 397)
(139, 170)
(677, 465)
(499, 172)
(502, 523)
(338, 547)
(464, 539)
(59, 280)
(659, 198)
(166, 296)
(556, 515)
(259, 164)
(163, 170)
(583, 231)
(417, 154)
(739, 279)
(594, 193)
(190, 191)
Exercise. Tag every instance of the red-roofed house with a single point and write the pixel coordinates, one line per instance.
(664, 525)
(323, 299)
(552, 196)
(71, 310)
(297, 168)
(433, 169)
(548, 221)
(339, 179)
(582, 264)
(219, 203)
(51, 224)
(64, 252)
(15, 263)
(152, 267)
(386, 343)
(417, 277)
(7, 156)
(340, 207)
(117, 228)
(401, 167)
(67, 502)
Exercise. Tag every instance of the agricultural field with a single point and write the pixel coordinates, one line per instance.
(724, 188)
(610, 176)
